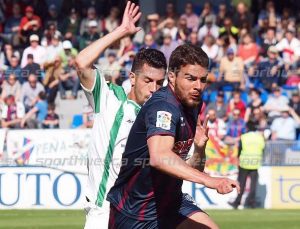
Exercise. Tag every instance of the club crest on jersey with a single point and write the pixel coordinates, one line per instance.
(163, 120)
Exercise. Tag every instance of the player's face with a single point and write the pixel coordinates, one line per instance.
(147, 81)
(189, 84)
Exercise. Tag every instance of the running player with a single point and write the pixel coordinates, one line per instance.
(147, 192)
(114, 111)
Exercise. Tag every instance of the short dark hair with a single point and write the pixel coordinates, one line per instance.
(187, 54)
(251, 126)
(51, 106)
(42, 95)
(255, 90)
(152, 57)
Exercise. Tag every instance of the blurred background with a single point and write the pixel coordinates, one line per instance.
(254, 81)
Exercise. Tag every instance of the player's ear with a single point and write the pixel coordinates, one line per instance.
(171, 78)
(132, 78)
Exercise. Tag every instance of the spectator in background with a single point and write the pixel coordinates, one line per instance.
(38, 52)
(7, 54)
(229, 29)
(54, 49)
(126, 62)
(269, 69)
(193, 39)
(170, 11)
(248, 50)
(90, 36)
(260, 119)
(69, 80)
(168, 27)
(295, 102)
(11, 114)
(168, 46)
(219, 106)
(112, 20)
(152, 28)
(149, 42)
(216, 127)
(236, 103)
(126, 45)
(51, 80)
(30, 91)
(275, 104)
(222, 13)
(236, 126)
(250, 155)
(183, 31)
(53, 17)
(269, 13)
(49, 33)
(284, 127)
(71, 25)
(242, 16)
(231, 70)
(12, 26)
(112, 68)
(30, 24)
(255, 103)
(11, 86)
(31, 68)
(15, 69)
(211, 49)
(209, 28)
(35, 117)
(269, 40)
(52, 119)
(191, 18)
(289, 46)
(91, 16)
(206, 13)
(67, 52)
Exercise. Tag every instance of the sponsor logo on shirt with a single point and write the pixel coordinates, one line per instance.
(182, 147)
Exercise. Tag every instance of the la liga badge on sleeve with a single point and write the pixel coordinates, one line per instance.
(163, 120)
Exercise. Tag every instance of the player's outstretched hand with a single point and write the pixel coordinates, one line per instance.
(201, 135)
(223, 185)
(130, 17)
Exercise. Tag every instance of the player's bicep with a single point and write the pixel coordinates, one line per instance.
(159, 146)
(87, 78)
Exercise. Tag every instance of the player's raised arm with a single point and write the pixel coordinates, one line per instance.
(198, 159)
(164, 159)
(86, 58)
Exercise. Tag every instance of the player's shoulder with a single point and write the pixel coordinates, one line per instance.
(163, 97)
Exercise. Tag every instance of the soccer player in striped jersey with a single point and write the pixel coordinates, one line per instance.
(147, 192)
(114, 111)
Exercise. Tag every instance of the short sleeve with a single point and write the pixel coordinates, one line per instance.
(103, 94)
(38, 106)
(161, 118)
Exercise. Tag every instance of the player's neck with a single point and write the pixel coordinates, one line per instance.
(131, 96)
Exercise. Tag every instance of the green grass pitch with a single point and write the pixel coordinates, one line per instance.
(226, 219)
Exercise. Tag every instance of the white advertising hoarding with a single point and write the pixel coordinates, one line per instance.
(61, 149)
(40, 188)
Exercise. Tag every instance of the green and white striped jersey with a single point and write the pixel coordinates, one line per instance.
(113, 119)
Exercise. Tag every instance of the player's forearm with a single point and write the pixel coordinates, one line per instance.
(173, 165)
(87, 57)
(198, 159)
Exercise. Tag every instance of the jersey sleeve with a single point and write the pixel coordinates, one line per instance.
(102, 93)
(161, 119)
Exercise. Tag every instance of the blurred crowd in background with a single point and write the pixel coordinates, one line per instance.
(254, 60)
